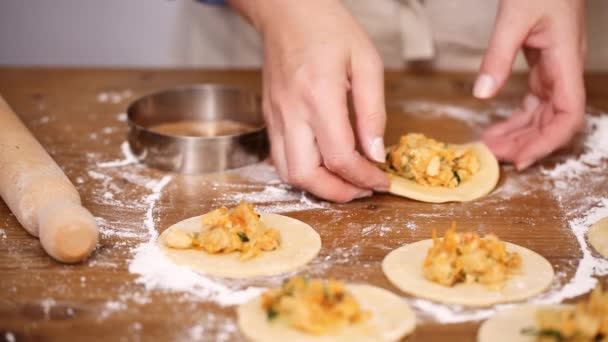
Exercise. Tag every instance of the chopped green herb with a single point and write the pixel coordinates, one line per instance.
(457, 176)
(272, 314)
(543, 333)
(243, 237)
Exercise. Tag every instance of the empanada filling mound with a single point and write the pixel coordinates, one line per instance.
(587, 321)
(228, 230)
(467, 258)
(429, 162)
(313, 306)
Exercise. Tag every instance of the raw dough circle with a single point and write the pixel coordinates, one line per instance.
(481, 184)
(506, 326)
(403, 267)
(391, 320)
(598, 236)
(299, 245)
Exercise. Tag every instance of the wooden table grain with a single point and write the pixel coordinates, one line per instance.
(76, 115)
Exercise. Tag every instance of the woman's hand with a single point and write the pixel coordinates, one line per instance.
(552, 35)
(314, 54)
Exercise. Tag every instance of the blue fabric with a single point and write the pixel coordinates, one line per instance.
(213, 2)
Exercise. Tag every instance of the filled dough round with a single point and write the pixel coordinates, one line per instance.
(403, 267)
(481, 184)
(391, 319)
(299, 245)
(506, 326)
(598, 236)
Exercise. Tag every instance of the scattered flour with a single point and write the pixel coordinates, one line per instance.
(110, 308)
(264, 187)
(47, 305)
(196, 333)
(128, 158)
(156, 271)
(589, 265)
(2, 234)
(596, 151)
(114, 97)
(258, 173)
(156, 188)
(269, 194)
(9, 337)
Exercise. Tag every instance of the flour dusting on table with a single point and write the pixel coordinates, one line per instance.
(567, 181)
(113, 179)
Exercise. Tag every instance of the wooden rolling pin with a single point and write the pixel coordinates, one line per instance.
(40, 195)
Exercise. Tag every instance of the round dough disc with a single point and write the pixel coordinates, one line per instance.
(598, 236)
(403, 267)
(391, 320)
(299, 245)
(481, 184)
(506, 326)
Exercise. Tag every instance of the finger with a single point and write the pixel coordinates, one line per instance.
(546, 140)
(305, 171)
(567, 101)
(509, 33)
(512, 142)
(275, 128)
(509, 146)
(501, 137)
(367, 79)
(277, 153)
(336, 140)
(516, 121)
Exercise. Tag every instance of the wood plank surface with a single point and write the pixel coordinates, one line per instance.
(77, 116)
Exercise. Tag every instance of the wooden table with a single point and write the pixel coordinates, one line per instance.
(71, 112)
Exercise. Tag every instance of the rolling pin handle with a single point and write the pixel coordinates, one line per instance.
(68, 231)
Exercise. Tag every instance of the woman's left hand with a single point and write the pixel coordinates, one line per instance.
(553, 38)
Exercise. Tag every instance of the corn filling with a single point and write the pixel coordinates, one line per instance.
(313, 306)
(228, 230)
(429, 162)
(587, 321)
(467, 258)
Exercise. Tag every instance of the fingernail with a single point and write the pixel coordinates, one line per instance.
(531, 102)
(524, 165)
(376, 148)
(484, 86)
(363, 194)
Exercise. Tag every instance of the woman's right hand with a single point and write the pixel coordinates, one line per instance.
(314, 54)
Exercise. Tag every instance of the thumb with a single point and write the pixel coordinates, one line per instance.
(367, 81)
(510, 31)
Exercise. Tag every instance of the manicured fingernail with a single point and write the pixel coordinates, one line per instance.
(524, 165)
(363, 194)
(484, 86)
(531, 102)
(376, 148)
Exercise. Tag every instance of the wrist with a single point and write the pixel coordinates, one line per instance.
(256, 12)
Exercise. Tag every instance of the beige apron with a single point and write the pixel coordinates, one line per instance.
(448, 34)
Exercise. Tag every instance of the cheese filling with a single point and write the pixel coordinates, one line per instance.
(313, 306)
(228, 230)
(467, 258)
(429, 162)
